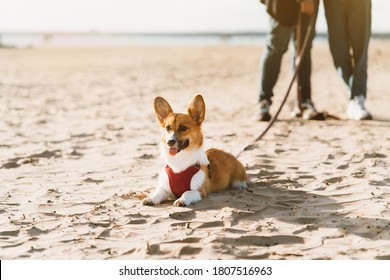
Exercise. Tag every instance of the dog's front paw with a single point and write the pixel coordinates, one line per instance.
(188, 198)
(148, 201)
(179, 203)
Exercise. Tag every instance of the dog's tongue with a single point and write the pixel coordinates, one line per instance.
(172, 151)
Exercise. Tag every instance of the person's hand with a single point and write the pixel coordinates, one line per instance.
(307, 6)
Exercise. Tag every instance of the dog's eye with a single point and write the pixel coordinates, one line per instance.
(168, 128)
(182, 128)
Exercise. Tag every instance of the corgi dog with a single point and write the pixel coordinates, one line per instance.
(191, 172)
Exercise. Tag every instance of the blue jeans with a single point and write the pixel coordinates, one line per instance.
(349, 31)
(276, 45)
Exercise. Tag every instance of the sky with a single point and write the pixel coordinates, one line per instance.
(151, 16)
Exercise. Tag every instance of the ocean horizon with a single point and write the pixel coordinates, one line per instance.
(91, 39)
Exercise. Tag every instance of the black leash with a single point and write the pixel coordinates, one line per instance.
(295, 74)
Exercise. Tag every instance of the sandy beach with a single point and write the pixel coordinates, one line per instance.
(79, 151)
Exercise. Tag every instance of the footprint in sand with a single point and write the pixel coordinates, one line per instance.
(305, 220)
(34, 231)
(154, 249)
(374, 155)
(10, 165)
(183, 215)
(385, 258)
(34, 158)
(333, 180)
(93, 181)
(385, 182)
(188, 251)
(261, 241)
(137, 222)
(185, 240)
(146, 156)
(10, 233)
(343, 167)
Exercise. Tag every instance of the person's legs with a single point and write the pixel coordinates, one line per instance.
(338, 37)
(359, 31)
(358, 19)
(276, 45)
(304, 75)
(349, 31)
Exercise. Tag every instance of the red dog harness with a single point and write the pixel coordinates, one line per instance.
(181, 182)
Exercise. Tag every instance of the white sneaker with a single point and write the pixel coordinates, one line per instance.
(356, 109)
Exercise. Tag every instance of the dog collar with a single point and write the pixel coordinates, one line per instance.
(181, 182)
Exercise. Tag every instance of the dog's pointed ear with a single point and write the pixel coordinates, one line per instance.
(162, 109)
(197, 109)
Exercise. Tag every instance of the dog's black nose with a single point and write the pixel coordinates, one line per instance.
(171, 142)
